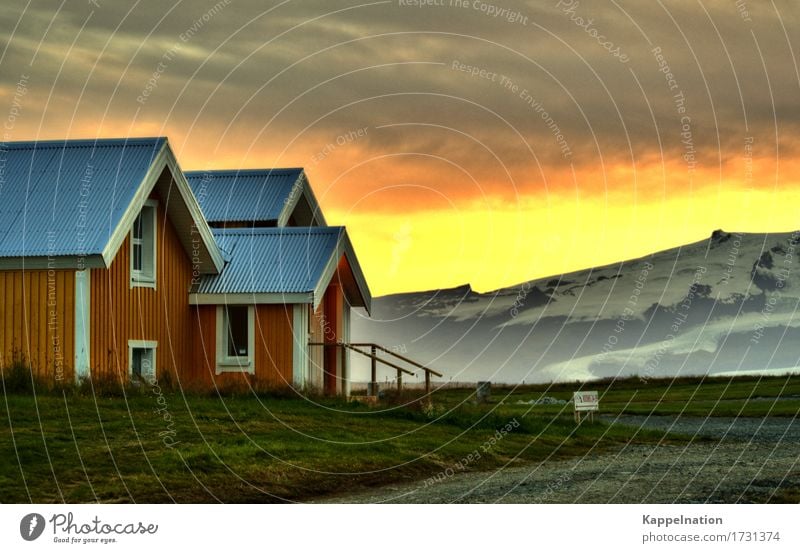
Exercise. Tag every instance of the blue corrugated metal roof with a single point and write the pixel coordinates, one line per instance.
(246, 195)
(272, 260)
(66, 197)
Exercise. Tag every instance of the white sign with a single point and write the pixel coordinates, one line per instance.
(586, 401)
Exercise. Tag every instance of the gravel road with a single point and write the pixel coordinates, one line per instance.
(752, 460)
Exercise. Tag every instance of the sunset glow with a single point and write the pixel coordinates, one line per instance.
(454, 151)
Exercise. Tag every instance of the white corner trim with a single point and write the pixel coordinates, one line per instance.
(300, 345)
(225, 364)
(82, 324)
(346, 338)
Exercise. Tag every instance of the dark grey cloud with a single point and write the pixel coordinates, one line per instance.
(255, 75)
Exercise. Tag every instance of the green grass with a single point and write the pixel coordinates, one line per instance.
(77, 448)
(717, 397)
(67, 445)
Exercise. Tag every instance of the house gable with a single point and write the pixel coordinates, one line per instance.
(167, 181)
(281, 265)
(160, 314)
(256, 198)
(53, 192)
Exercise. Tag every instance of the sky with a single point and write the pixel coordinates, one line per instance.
(482, 142)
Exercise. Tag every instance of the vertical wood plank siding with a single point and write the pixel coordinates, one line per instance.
(332, 302)
(273, 350)
(274, 345)
(37, 317)
(120, 313)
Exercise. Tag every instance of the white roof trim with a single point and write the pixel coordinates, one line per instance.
(197, 214)
(315, 297)
(327, 273)
(358, 274)
(294, 199)
(249, 299)
(164, 158)
(142, 193)
(343, 248)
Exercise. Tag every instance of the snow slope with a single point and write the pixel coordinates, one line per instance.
(727, 304)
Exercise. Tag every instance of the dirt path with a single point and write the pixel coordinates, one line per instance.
(756, 460)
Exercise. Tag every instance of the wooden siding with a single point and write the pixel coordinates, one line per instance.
(200, 374)
(333, 304)
(37, 317)
(120, 313)
(274, 345)
(273, 350)
(326, 326)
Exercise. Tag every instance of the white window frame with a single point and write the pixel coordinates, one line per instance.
(142, 344)
(227, 364)
(138, 278)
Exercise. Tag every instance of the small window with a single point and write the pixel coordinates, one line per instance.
(235, 338)
(143, 247)
(236, 324)
(142, 361)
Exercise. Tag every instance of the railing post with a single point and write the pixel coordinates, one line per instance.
(374, 376)
(427, 382)
(343, 371)
(399, 380)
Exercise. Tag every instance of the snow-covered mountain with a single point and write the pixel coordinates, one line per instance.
(727, 304)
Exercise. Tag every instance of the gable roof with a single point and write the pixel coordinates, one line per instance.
(71, 203)
(44, 184)
(280, 265)
(257, 196)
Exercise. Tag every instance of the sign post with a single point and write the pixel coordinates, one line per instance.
(585, 402)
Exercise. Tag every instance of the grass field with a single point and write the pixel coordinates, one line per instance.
(154, 446)
(748, 396)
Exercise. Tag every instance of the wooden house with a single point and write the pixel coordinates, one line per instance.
(115, 263)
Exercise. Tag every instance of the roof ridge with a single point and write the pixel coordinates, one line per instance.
(81, 142)
(244, 231)
(246, 172)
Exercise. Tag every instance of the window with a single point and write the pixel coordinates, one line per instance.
(142, 360)
(235, 338)
(236, 319)
(143, 247)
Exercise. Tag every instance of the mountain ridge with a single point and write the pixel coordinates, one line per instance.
(735, 296)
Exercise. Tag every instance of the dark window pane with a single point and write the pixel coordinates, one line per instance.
(137, 257)
(237, 330)
(136, 361)
(137, 227)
